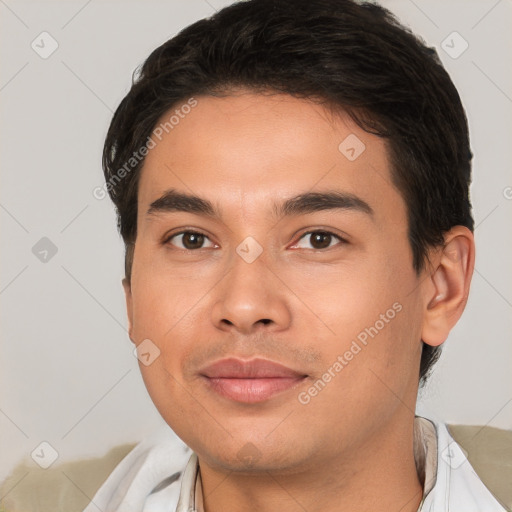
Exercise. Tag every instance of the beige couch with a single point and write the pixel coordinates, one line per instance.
(68, 487)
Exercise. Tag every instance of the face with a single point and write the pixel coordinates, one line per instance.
(284, 305)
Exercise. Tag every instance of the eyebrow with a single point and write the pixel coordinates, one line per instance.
(309, 202)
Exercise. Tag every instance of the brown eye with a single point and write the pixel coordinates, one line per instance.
(319, 239)
(190, 240)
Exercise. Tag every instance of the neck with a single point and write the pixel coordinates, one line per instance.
(379, 475)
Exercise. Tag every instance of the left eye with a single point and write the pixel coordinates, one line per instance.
(319, 239)
(190, 240)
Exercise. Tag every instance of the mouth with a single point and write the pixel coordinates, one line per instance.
(251, 381)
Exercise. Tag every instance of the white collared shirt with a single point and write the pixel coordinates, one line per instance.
(161, 474)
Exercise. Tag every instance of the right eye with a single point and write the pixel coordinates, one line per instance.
(189, 240)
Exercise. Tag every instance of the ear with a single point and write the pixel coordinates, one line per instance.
(446, 288)
(129, 306)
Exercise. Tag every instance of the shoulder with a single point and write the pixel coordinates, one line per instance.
(61, 486)
(489, 451)
(453, 483)
(122, 479)
(152, 469)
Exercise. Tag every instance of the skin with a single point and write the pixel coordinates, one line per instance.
(350, 447)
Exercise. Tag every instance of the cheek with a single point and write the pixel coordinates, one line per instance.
(370, 374)
(161, 300)
(341, 301)
(374, 323)
(387, 367)
(167, 309)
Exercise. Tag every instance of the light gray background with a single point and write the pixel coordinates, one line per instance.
(67, 372)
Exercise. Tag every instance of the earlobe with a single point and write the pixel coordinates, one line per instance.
(447, 287)
(129, 307)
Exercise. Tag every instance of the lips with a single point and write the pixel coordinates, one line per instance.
(251, 381)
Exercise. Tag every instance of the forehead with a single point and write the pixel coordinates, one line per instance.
(248, 150)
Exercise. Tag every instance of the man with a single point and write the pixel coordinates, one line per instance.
(291, 180)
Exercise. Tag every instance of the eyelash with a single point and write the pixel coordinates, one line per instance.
(325, 232)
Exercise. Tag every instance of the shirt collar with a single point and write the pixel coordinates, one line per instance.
(425, 457)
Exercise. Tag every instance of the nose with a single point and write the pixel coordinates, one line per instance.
(251, 297)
